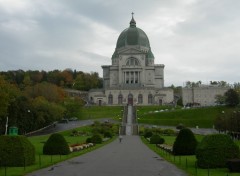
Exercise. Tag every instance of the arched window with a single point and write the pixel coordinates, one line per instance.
(140, 99)
(132, 61)
(150, 99)
(120, 99)
(110, 99)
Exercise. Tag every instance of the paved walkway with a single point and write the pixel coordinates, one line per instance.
(129, 158)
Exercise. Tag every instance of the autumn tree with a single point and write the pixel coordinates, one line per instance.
(49, 91)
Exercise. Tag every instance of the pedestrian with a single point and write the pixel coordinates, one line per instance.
(120, 138)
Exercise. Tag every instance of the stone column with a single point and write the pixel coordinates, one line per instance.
(134, 77)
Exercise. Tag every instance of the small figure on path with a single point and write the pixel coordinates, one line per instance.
(120, 138)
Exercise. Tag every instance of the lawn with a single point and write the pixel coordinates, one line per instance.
(201, 117)
(43, 161)
(96, 112)
(187, 163)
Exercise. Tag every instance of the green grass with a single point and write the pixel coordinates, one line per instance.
(43, 161)
(187, 163)
(201, 117)
(96, 112)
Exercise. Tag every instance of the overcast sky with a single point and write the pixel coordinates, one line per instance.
(194, 39)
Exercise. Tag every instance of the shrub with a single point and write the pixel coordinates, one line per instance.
(96, 139)
(156, 139)
(233, 165)
(148, 134)
(169, 132)
(16, 151)
(214, 151)
(108, 134)
(88, 140)
(56, 145)
(185, 143)
(180, 126)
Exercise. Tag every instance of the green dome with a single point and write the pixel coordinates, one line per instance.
(133, 36)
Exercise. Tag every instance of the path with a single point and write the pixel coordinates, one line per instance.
(129, 158)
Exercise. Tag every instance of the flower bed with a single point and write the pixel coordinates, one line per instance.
(78, 147)
(166, 147)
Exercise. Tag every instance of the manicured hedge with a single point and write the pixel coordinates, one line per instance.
(56, 145)
(156, 139)
(185, 143)
(148, 134)
(96, 139)
(214, 151)
(16, 151)
(233, 165)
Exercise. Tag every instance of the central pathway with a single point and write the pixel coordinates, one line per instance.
(129, 158)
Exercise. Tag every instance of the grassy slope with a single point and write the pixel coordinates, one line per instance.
(95, 112)
(202, 117)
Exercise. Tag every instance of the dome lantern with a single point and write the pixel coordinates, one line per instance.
(132, 22)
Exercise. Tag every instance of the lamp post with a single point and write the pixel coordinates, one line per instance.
(6, 126)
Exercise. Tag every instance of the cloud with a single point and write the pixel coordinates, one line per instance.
(194, 39)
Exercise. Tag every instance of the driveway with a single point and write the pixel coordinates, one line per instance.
(129, 158)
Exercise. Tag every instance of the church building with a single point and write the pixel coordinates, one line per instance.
(133, 77)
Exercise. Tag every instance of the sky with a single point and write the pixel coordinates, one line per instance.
(196, 40)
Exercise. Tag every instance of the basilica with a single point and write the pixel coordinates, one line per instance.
(133, 77)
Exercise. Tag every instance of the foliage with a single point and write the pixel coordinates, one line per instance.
(148, 133)
(214, 151)
(46, 112)
(180, 126)
(89, 140)
(66, 78)
(187, 163)
(228, 121)
(49, 91)
(108, 134)
(96, 139)
(56, 145)
(185, 143)
(168, 132)
(220, 99)
(193, 84)
(16, 151)
(156, 139)
(180, 102)
(73, 107)
(232, 97)
(103, 128)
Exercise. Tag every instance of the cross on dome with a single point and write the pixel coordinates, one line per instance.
(132, 22)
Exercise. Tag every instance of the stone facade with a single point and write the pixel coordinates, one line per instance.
(132, 78)
(203, 95)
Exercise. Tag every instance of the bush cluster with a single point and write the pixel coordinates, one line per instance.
(156, 139)
(148, 134)
(56, 145)
(96, 139)
(214, 151)
(16, 151)
(185, 143)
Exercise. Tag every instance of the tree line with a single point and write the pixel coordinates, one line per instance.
(34, 99)
(67, 78)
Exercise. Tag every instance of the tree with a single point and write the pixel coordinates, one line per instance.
(232, 98)
(185, 143)
(190, 84)
(49, 91)
(8, 93)
(220, 99)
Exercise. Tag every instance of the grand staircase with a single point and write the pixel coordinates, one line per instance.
(129, 124)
